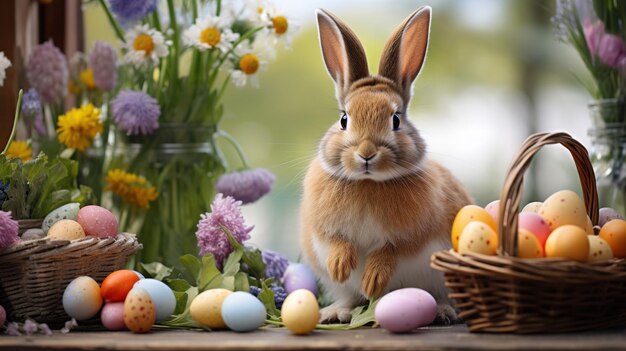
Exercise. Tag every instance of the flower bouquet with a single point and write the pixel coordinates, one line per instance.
(597, 31)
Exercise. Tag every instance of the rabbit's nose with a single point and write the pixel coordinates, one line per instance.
(367, 150)
(367, 158)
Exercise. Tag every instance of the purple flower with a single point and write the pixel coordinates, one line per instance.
(103, 62)
(47, 72)
(275, 264)
(13, 329)
(136, 112)
(30, 327)
(593, 33)
(8, 230)
(279, 294)
(611, 50)
(45, 329)
(69, 325)
(131, 11)
(31, 109)
(225, 211)
(246, 186)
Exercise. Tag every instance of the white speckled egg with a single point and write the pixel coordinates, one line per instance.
(162, 296)
(300, 312)
(68, 211)
(82, 299)
(405, 309)
(243, 312)
(533, 207)
(66, 229)
(97, 221)
(599, 249)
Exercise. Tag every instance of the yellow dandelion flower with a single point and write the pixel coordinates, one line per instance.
(86, 77)
(19, 149)
(79, 126)
(130, 188)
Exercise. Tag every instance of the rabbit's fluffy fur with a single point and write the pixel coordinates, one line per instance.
(374, 206)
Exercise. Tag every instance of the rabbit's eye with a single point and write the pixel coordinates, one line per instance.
(396, 121)
(344, 121)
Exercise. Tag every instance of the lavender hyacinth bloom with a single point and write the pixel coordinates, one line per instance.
(47, 72)
(132, 10)
(136, 112)
(31, 109)
(103, 62)
(279, 294)
(8, 230)
(593, 34)
(225, 211)
(275, 264)
(246, 186)
(611, 50)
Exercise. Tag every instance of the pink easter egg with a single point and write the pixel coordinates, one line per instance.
(3, 316)
(403, 310)
(97, 221)
(112, 316)
(493, 208)
(535, 224)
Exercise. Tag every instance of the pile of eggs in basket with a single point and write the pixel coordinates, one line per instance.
(559, 227)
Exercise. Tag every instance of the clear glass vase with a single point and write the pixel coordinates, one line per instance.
(608, 151)
(183, 163)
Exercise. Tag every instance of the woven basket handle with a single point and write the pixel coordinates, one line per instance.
(510, 197)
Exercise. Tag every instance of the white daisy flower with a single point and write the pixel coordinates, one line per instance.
(281, 27)
(145, 44)
(211, 32)
(247, 63)
(4, 64)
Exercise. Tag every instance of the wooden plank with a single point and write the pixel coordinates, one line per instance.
(8, 90)
(433, 338)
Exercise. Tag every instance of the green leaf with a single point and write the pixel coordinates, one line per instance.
(180, 285)
(192, 266)
(361, 317)
(228, 283)
(254, 262)
(231, 266)
(267, 297)
(57, 199)
(241, 282)
(216, 283)
(208, 273)
(16, 196)
(181, 302)
(157, 270)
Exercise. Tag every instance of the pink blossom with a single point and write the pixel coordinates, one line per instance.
(611, 50)
(593, 34)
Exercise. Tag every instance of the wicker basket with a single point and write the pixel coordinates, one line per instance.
(26, 224)
(506, 294)
(34, 274)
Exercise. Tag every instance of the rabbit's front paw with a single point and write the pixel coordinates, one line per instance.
(378, 271)
(341, 261)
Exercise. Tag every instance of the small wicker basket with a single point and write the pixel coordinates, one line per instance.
(34, 274)
(506, 294)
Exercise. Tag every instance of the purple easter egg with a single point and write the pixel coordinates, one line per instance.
(299, 276)
(403, 310)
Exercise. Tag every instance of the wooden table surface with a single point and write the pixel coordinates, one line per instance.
(433, 338)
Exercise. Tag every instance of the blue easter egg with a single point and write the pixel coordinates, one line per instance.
(243, 312)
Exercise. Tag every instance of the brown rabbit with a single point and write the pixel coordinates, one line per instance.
(374, 206)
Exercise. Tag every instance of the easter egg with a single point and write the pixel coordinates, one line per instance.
(562, 208)
(299, 276)
(33, 234)
(82, 299)
(206, 308)
(466, 215)
(532, 207)
(139, 275)
(599, 249)
(67, 211)
(243, 312)
(607, 214)
(112, 316)
(162, 296)
(97, 221)
(478, 237)
(3, 316)
(405, 309)
(139, 313)
(535, 224)
(568, 241)
(528, 245)
(614, 232)
(300, 312)
(493, 208)
(116, 285)
(589, 227)
(66, 229)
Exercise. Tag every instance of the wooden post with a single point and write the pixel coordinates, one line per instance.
(8, 90)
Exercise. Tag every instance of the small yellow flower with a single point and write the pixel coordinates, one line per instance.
(280, 24)
(79, 126)
(19, 149)
(143, 42)
(249, 64)
(86, 77)
(131, 188)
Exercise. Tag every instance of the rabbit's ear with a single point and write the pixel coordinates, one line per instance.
(405, 51)
(342, 51)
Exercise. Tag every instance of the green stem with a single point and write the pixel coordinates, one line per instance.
(246, 36)
(218, 8)
(156, 20)
(18, 109)
(235, 144)
(116, 27)
(175, 38)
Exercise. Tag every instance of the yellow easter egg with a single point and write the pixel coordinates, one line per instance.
(300, 312)
(532, 207)
(614, 232)
(568, 241)
(478, 237)
(66, 229)
(589, 226)
(564, 208)
(469, 214)
(206, 308)
(139, 311)
(599, 249)
(528, 245)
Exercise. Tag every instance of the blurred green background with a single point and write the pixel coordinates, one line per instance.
(494, 74)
